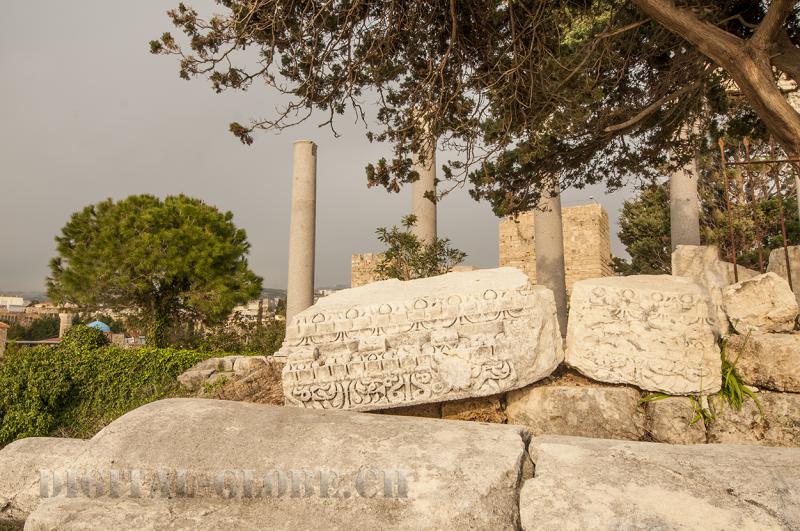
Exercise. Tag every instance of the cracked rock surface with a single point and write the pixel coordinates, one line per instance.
(460, 475)
(604, 484)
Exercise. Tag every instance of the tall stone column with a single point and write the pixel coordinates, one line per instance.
(302, 230)
(548, 240)
(684, 211)
(3, 338)
(64, 323)
(422, 207)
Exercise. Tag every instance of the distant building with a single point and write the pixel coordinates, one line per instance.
(12, 303)
(252, 309)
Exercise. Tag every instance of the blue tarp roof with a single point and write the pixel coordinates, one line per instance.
(100, 326)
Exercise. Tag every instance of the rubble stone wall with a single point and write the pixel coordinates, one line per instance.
(587, 243)
(362, 268)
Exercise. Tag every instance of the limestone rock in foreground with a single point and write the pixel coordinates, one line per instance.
(779, 425)
(651, 331)
(762, 304)
(669, 420)
(20, 463)
(392, 343)
(768, 361)
(581, 409)
(777, 265)
(459, 474)
(603, 484)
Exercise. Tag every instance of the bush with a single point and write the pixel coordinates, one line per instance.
(407, 257)
(242, 337)
(79, 386)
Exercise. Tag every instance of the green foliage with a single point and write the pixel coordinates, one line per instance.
(652, 397)
(82, 336)
(167, 261)
(243, 337)
(45, 327)
(734, 391)
(81, 385)
(701, 412)
(645, 227)
(645, 231)
(591, 91)
(407, 257)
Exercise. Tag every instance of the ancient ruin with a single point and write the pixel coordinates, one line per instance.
(651, 331)
(394, 343)
(422, 192)
(302, 231)
(587, 243)
(764, 303)
(777, 265)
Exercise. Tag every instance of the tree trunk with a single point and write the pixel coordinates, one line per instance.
(747, 62)
(548, 241)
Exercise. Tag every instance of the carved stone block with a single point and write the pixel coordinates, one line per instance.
(702, 264)
(651, 331)
(761, 304)
(393, 343)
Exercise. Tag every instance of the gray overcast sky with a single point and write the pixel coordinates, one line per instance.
(87, 113)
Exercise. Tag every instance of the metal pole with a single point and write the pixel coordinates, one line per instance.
(728, 206)
(777, 175)
(754, 204)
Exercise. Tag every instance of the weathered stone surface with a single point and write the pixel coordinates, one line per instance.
(769, 361)
(577, 408)
(652, 331)
(212, 370)
(778, 426)
(487, 409)
(459, 474)
(669, 420)
(602, 484)
(20, 463)
(761, 304)
(702, 264)
(777, 265)
(394, 343)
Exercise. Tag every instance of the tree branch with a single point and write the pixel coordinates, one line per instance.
(772, 23)
(787, 56)
(650, 109)
(715, 43)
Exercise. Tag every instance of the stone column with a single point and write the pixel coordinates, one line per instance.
(548, 241)
(302, 231)
(65, 323)
(422, 207)
(3, 338)
(684, 211)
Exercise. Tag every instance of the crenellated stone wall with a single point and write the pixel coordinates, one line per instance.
(587, 247)
(587, 243)
(362, 268)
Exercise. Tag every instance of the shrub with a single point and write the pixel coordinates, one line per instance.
(407, 257)
(79, 386)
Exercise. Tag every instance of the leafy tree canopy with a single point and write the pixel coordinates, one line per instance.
(645, 228)
(525, 91)
(163, 261)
